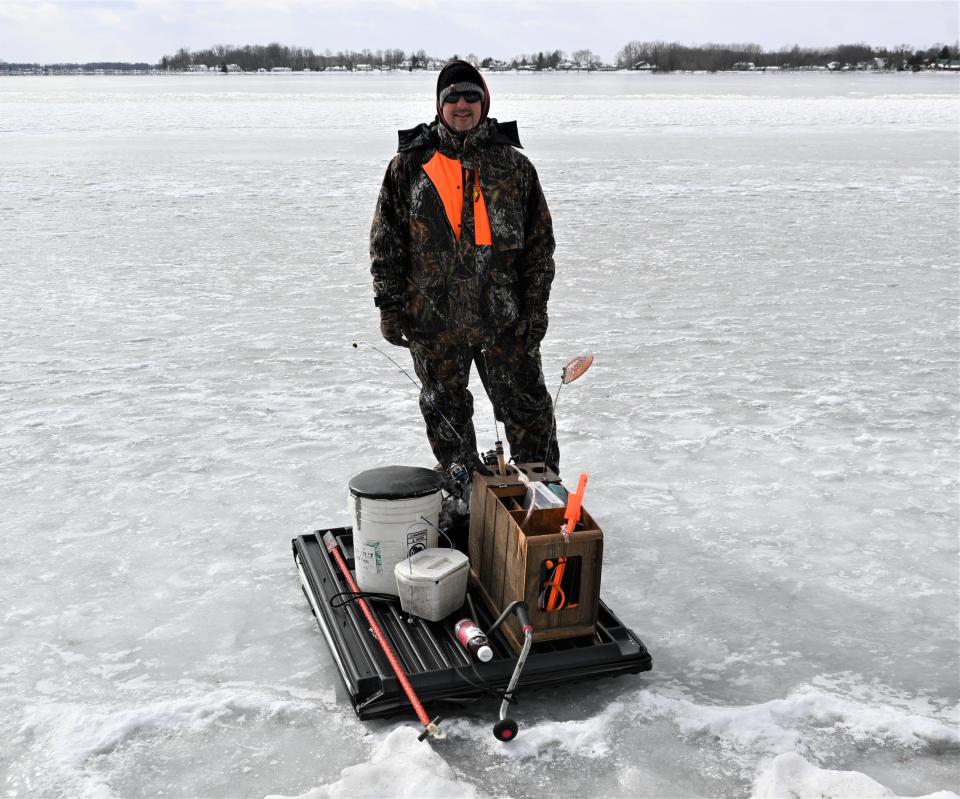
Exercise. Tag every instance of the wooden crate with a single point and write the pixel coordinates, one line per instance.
(507, 562)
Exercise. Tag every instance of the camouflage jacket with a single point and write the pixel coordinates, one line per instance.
(442, 281)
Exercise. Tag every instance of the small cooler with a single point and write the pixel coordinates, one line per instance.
(432, 583)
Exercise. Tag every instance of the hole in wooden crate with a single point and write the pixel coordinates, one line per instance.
(559, 583)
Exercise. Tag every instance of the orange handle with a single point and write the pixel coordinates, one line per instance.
(574, 504)
(556, 599)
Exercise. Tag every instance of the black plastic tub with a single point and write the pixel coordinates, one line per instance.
(438, 667)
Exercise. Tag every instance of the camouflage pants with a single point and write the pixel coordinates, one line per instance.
(513, 379)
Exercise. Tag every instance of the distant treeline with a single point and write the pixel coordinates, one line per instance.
(250, 58)
(658, 55)
(654, 55)
(92, 66)
(669, 56)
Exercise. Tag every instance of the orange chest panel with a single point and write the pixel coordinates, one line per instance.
(446, 174)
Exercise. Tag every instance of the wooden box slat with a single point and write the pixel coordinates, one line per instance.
(506, 560)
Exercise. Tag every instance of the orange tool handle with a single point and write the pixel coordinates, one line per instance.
(556, 599)
(574, 504)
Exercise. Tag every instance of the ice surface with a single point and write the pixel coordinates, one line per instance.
(766, 269)
(791, 775)
(401, 766)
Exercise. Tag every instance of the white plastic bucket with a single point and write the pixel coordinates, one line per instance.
(389, 506)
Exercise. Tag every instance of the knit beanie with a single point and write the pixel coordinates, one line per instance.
(459, 76)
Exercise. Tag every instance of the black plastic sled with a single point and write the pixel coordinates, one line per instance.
(439, 669)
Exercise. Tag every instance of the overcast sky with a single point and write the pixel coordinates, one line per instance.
(144, 30)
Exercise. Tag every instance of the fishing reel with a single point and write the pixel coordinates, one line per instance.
(455, 480)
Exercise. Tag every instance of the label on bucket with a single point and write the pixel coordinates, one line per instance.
(371, 556)
(416, 541)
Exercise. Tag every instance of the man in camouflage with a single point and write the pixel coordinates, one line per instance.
(462, 262)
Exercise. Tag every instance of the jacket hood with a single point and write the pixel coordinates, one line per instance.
(427, 135)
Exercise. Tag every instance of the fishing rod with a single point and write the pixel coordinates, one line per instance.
(498, 443)
(572, 370)
(406, 374)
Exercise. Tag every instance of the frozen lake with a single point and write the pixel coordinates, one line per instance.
(766, 268)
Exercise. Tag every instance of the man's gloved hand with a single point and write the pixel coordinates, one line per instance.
(533, 330)
(538, 329)
(391, 327)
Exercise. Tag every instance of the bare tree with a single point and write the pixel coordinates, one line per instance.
(181, 59)
(582, 58)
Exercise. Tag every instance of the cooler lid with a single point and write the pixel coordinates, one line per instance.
(395, 482)
(432, 565)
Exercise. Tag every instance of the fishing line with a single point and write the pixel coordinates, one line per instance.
(419, 387)
(572, 370)
(404, 371)
(415, 548)
(556, 397)
(441, 532)
(486, 366)
(494, 392)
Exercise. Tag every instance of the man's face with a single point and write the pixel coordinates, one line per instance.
(461, 115)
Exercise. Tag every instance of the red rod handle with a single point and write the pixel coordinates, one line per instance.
(334, 549)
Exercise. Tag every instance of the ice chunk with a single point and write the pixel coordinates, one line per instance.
(790, 775)
(401, 766)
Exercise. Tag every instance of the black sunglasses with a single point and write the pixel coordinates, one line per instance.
(470, 97)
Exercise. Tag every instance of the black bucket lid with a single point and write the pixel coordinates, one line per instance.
(395, 482)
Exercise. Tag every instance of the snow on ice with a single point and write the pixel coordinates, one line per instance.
(765, 267)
